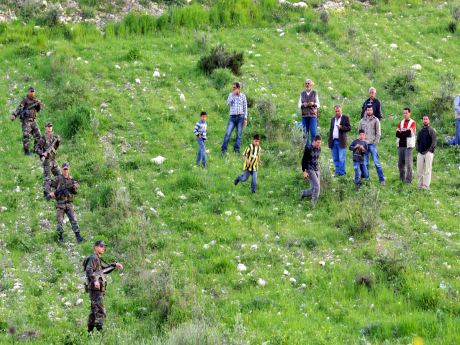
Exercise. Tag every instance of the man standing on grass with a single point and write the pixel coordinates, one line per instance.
(310, 169)
(371, 126)
(200, 132)
(456, 139)
(96, 284)
(340, 125)
(27, 112)
(238, 117)
(375, 104)
(65, 188)
(405, 134)
(308, 105)
(46, 149)
(426, 143)
(360, 148)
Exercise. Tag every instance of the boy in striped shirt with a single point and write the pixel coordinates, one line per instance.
(200, 132)
(251, 163)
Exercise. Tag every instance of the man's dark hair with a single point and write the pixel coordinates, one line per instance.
(361, 131)
(369, 105)
(256, 137)
(317, 137)
(203, 113)
(407, 108)
(237, 84)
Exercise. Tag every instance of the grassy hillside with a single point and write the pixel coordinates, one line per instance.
(181, 284)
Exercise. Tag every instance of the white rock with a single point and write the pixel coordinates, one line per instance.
(241, 268)
(292, 280)
(182, 197)
(309, 215)
(281, 34)
(303, 286)
(434, 227)
(117, 67)
(206, 246)
(67, 304)
(156, 74)
(351, 239)
(393, 46)
(238, 218)
(138, 81)
(417, 67)
(322, 263)
(182, 97)
(300, 4)
(49, 54)
(285, 272)
(438, 60)
(158, 160)
(79, 301)
(228, 213)
(3, 209)
(261, 282)
(160, 194)
(155, 212)
(254, 247)
(17, 189)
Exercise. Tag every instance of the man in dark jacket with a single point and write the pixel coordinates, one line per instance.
(340, 125)
(310, 169)
(426, 143)
(374, 102)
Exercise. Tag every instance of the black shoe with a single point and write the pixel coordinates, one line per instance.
(237, 180)
(79, 238)
(60, 238)
(302, 195)
(27, 153)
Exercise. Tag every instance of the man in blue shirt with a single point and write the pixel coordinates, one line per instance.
(238, 117)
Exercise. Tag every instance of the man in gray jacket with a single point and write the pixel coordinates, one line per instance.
(371, 126)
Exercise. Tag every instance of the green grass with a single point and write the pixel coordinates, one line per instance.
(173, 287)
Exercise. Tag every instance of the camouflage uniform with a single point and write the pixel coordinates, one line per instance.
(28, 121)
(93, 264)
(65, 187)
(50, 165)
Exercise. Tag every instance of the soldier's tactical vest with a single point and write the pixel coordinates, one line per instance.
(48, 142)
(100, 276)
(310, 111)
(32, 113)
(65, 187)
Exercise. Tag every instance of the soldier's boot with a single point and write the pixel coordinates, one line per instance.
(78, 237)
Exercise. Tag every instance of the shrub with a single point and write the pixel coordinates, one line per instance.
(401, 84)
(391, 270)
(324, 17)
(133, 54)
(25, 51)
(50, 17)
(221, 78)
(219, 57)
(452, 27)
(193, 333)
(361, 216)
(77, 120)
(101, 196)
(29, 9)
(325, 173)
(201, 41)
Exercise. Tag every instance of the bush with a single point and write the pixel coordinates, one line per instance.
(50, 17)
(452, 27)
(402, 84)
(220, 58)
(221, 78)
(391, 270)
(77, 120)
(29, 9)
(361, 216)
(193, 333)
(133, 54)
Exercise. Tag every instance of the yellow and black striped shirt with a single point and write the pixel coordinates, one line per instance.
(252, 154)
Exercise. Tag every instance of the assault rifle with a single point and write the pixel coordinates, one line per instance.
(50, 149)
(99, 275)
(63, 191)
(26, 110)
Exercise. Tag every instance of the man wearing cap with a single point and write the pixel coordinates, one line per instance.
(46, 149)
(27, 111)
(308, 105)
(65, 187)
(95, 269)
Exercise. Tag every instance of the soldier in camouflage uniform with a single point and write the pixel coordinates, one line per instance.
(95, 269)
(46, 149)
(64, 190)
(27, 111)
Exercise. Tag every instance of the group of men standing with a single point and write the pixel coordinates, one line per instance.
(365, 146)
(63, 187)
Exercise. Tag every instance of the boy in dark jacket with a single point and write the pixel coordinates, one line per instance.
(359, 148)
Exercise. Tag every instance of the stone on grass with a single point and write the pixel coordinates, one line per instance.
(261, 282)
(160, 194)
(158, 160)
(417, 67)
(241, 268)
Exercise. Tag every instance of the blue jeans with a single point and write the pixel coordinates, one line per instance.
(456, 139)
(372, 150)
(360, 171)
(244, 176)
(201, 155)
(309, 125)
(339, 156)
(238, 122)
